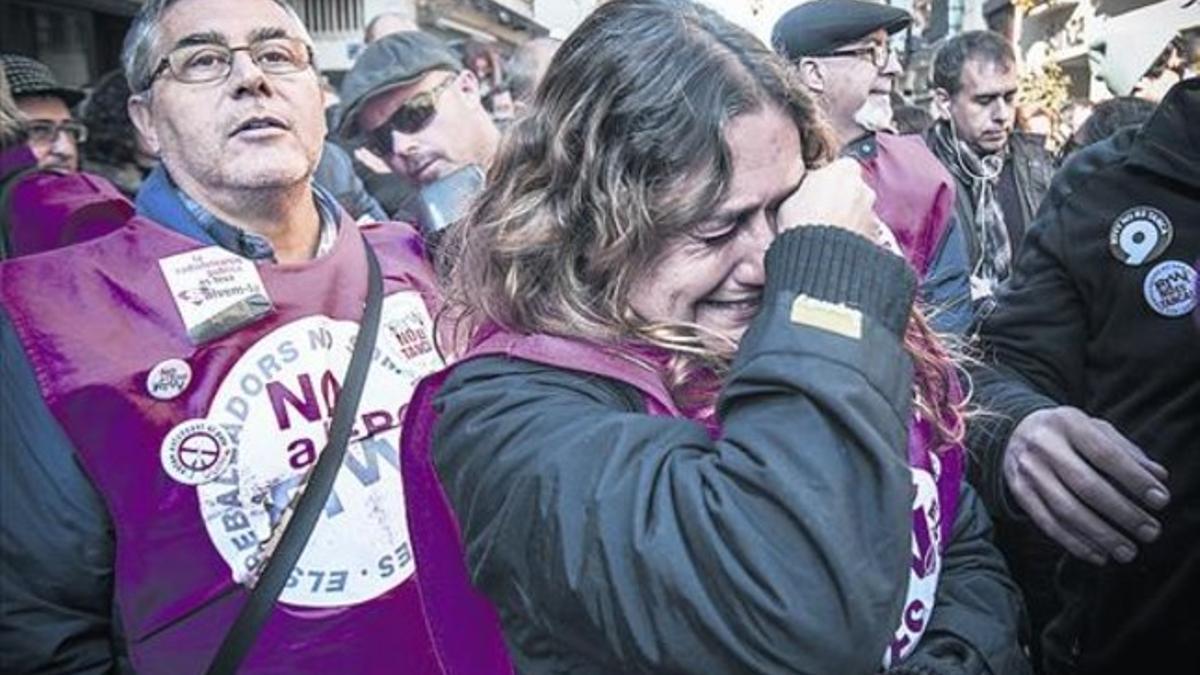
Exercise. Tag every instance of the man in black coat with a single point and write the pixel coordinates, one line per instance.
(1001, 174)
(1095, 381)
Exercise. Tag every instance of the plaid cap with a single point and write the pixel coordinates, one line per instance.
(390, 62)
(27, 77)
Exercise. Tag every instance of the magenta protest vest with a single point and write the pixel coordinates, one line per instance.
(197, 421)
(937, 476)
(914, 195)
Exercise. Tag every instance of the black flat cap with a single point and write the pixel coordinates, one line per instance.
(819, 27)
(392, 61)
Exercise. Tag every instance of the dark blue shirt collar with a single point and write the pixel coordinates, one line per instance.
(161, 200)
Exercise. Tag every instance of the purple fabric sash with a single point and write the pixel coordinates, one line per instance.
(49, 210)
(103, 333)
(914, 195)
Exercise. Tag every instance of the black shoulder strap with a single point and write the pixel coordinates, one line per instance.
(244, 632)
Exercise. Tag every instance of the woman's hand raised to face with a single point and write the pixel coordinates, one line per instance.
(834, 195)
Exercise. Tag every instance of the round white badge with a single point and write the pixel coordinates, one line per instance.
(196, 452)
(1170, 288)
(275, 403)
(1139, 235)
(168, 379)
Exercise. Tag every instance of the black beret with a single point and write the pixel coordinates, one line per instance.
(819, 27)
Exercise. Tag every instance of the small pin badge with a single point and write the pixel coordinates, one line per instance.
(1170, 288)
(196, 452)
(168, 379)
(1140, 235)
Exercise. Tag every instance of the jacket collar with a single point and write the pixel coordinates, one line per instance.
(1169, 142)
(160, 200)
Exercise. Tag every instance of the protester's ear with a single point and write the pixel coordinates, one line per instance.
(812, 75)
(139, 113)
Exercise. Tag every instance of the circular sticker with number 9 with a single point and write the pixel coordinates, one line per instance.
(1140, 235)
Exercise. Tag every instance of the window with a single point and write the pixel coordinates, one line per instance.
(323, 17)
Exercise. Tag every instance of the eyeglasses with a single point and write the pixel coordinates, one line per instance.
(414, 115)
(196, 64)
(878, 54)
(44, 132)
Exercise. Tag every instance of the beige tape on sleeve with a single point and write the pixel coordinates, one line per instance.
(839, 319)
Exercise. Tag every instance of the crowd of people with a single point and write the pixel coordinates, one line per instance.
(657, 349)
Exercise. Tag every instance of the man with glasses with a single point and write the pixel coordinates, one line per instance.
(841, 53)
(409, 100)
(53, 133)
(166, 391)
(45, 208)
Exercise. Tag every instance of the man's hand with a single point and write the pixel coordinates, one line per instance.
(1084, 484)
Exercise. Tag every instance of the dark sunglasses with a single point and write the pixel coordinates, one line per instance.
(414, 115)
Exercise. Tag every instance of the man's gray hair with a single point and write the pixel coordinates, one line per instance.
(141, 42)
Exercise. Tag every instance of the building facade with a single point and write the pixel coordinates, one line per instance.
(81, 39)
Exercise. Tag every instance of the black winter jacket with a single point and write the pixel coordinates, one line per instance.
(1076, 326)
(614, 541)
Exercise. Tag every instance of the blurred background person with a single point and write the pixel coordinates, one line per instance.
(388, 23)
(484, 61)
(1107, 118)
(527, 67)
(41, 209)
(1001, 173)
(53, 133)
(911, 119)
(1147, 57)
(12, 120)
(1191, 52)
(1164, 73)
(336, 173)
(1076, 112)
(1037, 121)
(908, 118)
(115, 149)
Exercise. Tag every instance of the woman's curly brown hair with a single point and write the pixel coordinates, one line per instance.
(622, 151)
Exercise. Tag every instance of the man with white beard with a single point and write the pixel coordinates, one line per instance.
(840, 51)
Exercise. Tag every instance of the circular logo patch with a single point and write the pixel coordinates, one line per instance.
(1140, 235)
(195, 452)
(168, 379)
(1170, 288)
(276, 403)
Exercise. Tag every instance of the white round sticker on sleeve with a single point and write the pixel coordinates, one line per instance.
(1170, 288)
